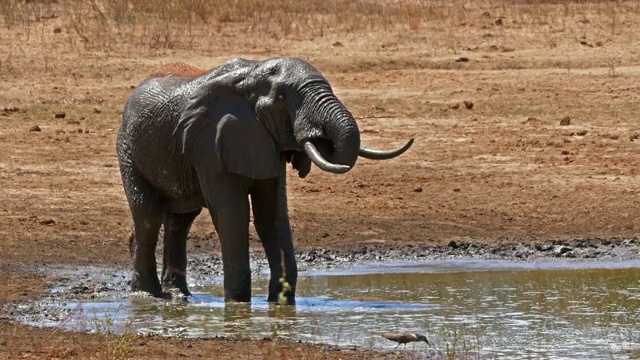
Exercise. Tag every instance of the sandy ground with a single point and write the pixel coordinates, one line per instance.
(498, 169)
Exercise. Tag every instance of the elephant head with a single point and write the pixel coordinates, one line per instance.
(263, 108)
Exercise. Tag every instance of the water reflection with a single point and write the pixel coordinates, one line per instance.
(510, 311)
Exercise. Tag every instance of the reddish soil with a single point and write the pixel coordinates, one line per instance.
(491, 161)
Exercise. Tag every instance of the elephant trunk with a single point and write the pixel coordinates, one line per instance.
(327, 130)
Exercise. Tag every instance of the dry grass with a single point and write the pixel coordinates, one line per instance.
(153, 24)
(41, 33)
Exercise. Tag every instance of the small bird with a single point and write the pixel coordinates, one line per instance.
(405, 337)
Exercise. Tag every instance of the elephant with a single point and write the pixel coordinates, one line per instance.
(221, 139)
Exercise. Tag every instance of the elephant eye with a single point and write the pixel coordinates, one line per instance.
(280, 97)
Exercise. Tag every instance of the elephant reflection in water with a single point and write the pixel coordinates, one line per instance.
(193, 319)
(214, 139)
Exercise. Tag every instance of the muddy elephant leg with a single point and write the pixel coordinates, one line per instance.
(147, 214)
(271, 220)
(174, 259)
(226, 196)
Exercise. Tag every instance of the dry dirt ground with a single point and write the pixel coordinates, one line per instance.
(499, 168)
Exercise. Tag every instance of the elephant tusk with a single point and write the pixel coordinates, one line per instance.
(384, 155)
(320, 162)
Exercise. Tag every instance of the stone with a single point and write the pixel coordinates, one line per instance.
(561, 249)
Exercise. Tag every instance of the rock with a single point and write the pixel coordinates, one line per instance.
(35, 128)
(453, 244)
(454, 106)
(628, 242)
(565, 121)
(57, 30)
(47, 222)
(418, 190)
(498, 22)
(462, 59)
(522, 251)
(544, 247)
(634, 136)
(468, 104)
(80, 289)
(561, 250)
(456, 189)
(565, 152)
(591, 254)
(60, 115)
(582, 132)
(337, 44)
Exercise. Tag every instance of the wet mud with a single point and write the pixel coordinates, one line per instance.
(74, 283)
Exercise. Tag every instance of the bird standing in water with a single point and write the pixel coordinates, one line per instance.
(405, 337)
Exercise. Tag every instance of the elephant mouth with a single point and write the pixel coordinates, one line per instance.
(325, 147)
(319, 150)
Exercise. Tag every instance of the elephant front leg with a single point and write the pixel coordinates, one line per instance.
(271, 219)
(227, 199)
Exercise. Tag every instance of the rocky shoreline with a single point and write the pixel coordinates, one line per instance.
(76, 284)
(73, 282)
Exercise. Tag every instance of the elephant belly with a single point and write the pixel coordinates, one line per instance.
(186, 205)
(178, 187)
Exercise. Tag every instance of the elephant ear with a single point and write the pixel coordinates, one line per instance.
(218, 131)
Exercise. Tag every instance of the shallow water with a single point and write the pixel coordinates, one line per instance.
(504, 309)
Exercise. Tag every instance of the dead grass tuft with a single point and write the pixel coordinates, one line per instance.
(101, 24)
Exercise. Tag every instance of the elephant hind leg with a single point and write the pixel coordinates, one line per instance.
(145, 277)
(147, 212)
(174, 260)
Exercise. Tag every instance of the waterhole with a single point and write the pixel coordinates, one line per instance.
(492, 308)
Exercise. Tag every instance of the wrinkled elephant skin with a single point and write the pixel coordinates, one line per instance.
(219, 139)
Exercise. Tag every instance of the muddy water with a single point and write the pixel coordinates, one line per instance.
(490, 307)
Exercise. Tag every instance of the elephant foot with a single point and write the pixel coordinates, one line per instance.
(281, 292)
(275, 298)
(149, 284)
(175, 281)
(236, 297)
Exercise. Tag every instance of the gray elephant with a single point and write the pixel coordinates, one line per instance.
(216, 139)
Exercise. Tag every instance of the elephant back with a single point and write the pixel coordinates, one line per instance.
(178, 69)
